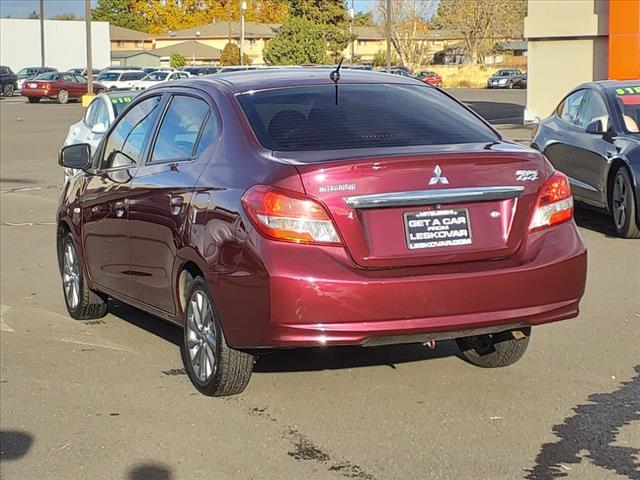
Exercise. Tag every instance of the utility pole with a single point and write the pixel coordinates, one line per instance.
(87, 21)
(243, 9)
(42, 33)
(388, 34)
(352, 14)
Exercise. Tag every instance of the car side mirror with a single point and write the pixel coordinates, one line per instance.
(76, 156)
(596, 128)
(99, 128)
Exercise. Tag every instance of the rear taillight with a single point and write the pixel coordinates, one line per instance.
(554, 203)
(289, 216)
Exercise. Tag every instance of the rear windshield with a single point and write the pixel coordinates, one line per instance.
(109, 76)
(48, 76)
(380, 115)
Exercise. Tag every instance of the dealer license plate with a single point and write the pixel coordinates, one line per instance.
(33, 85)
(437, 228)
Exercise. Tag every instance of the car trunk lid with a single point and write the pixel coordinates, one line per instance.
(432, 208)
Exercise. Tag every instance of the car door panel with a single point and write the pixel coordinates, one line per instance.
(105, 229)
(161, 195)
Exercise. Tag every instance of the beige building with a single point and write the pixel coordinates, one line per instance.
(217, 35)
(126, 39)
(568, 42)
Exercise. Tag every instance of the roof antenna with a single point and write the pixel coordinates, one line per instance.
(335, 77)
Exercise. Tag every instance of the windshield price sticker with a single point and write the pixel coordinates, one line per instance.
(437, 228)
(635, 90)
(122, 100)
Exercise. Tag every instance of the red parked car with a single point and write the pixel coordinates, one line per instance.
(276, 209)
(62, 86)
(432, 78)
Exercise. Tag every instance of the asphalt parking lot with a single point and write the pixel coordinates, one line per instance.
(108, 399)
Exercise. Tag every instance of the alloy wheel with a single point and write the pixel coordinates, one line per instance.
(8, 90)
(620, 202)
(71, 276)
(63, 96)
(201, 336)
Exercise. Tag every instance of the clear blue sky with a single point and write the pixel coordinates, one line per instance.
(22, 8)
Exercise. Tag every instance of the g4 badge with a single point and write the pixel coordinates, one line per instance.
(526, 175)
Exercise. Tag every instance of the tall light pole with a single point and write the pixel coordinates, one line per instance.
(352, 14)
(42, 33)
(87, 21)
(388, 34)
(243, 9)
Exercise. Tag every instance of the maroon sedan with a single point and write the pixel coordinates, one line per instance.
(61, 86)
(277, 209)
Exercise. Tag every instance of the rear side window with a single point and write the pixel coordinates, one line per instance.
(380, 115)
(570, 107)
(180, 129)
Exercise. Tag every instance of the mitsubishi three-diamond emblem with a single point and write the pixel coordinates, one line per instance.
(438, 177)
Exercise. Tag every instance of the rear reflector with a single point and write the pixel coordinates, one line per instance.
(554, 203)
(289, 216)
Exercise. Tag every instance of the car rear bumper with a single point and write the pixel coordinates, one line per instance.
(38, 93)
(298, 295)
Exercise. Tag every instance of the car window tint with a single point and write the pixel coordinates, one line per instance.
(180, 128)
(307, 118)
(101, 114)
(90, 118)
(570, 107)
(209, 134)
(68, 78)
(124, 145)
(593, 108)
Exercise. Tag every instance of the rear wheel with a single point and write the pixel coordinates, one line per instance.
(214, 368)
(33, 100)
(82, 302)
(63, 96)
(8, 90)
(495, 350)
(623, 206)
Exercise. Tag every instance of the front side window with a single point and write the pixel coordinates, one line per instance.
(367, 115)
(125, 145)
(180, 129)
(570, 107)
(67, 77)
(593, 108)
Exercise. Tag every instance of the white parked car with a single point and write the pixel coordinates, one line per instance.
(120, 79)
(157, 77)
(96, 121)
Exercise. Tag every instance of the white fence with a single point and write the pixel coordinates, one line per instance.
(64, 44)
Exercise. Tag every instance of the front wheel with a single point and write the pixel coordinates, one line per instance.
(82, 302)
(63, 96)
(33, 99)
(623, 206)
(495, 350)
(8, 90)
(214, 368)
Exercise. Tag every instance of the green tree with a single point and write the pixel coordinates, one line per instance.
(380, 59)
(231, 55)
(118, 12)
(364, 19)
(299, 41)
(331, 16)
(33, 15)
(177, 60)
(66, 16)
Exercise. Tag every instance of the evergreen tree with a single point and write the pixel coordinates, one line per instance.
(118, 12)
(299, 41)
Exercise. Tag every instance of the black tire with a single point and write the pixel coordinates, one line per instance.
(85, 304)
(8, 90)
(623, 206)
(63, 96)
(33, 99)
(229, 370)
(495, 350)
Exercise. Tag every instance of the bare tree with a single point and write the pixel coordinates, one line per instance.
(408, 28)
(481, 21)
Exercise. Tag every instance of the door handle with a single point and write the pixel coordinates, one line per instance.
(176, 205)
(119, 207)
